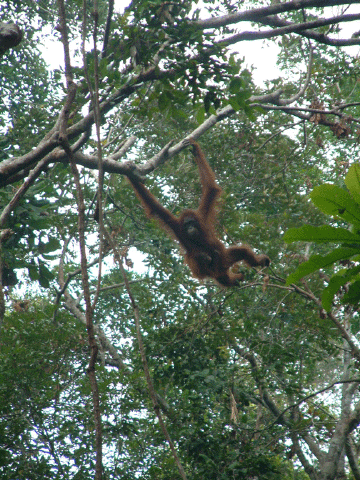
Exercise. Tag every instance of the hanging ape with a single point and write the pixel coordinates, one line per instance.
(205, 254)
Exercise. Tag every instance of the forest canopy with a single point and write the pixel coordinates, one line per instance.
(115, 361)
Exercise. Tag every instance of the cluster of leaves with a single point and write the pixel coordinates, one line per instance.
(36, 225)
(39, 360)
(342, 205)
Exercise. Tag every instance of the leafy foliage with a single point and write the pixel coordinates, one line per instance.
(342, 204)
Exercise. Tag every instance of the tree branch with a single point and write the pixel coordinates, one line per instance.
(256, 14)
(318, 37)
(298, 28)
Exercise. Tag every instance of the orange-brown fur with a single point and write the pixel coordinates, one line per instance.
(205, 254)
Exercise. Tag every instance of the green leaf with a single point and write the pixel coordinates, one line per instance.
(352, 181)
(336, 201)
(316, 262)
(353, 295)
(163, 101)
(44, 275)
(242, 97)
(200, 115)
(233, 102)
(322, 234)
(336, 282)
(50, 246)
(33, 272)
(103, 67)
(236, 84)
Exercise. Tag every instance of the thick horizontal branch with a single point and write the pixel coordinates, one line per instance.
(312, 35)
(111, 164)
(14, 165)
(299, 28)
(257, 13)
